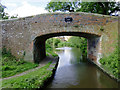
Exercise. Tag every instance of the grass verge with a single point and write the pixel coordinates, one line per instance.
(12, 66)
(33, 79)
(51, 52)
(111, 64)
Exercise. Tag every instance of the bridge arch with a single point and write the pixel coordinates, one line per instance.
(93, 46)
(23, 36)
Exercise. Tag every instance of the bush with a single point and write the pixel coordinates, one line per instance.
(56, 42)
(53, 42)
(6, 52)
(111, 63)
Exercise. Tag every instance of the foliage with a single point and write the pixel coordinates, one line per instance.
(14, 16)
(65, 43)
(81, 43)
(51, 44)
(3, 14)
(111, 63)
(62, 6)
(34, 79)
(11, 65)
(77, 42)
(105, 8)
(56, 41)
(50, 51)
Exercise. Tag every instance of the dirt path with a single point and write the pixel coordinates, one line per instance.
(42, 63)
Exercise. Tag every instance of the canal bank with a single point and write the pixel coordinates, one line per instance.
(105, 71)
(52, 68)
(72, 72)
(34, 78)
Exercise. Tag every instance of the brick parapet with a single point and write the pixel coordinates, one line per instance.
(19, 34)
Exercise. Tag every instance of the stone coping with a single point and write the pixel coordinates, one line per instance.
(62, 13)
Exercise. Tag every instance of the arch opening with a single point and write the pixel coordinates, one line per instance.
(93, 45)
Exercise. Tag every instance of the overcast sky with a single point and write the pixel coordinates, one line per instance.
(25, 7)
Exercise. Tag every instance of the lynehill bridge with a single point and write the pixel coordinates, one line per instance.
(26, 37)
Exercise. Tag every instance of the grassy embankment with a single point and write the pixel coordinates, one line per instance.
(12, 66)
(111, 63)
(51, 44)
(33, 79)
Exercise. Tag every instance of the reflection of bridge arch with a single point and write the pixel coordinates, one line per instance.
(27, 36)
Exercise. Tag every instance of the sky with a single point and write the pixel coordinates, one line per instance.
(25, 7)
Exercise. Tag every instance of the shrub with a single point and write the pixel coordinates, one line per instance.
(112, 63)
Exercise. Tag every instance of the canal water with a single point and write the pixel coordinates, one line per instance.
(73, 72)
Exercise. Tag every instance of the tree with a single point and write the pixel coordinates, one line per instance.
(2, 13)
(53, 42)
(62, 6)
(14, 16)
(105, 8)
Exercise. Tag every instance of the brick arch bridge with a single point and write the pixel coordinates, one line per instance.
(26, 37)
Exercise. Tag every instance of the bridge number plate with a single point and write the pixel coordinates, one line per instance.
(68, 19)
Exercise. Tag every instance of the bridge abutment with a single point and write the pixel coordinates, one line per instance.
(93, 48)
(39, 49)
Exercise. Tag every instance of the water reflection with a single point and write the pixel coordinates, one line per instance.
(68, 56)
(72, 73)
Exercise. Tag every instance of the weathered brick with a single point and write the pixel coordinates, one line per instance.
(20, 35)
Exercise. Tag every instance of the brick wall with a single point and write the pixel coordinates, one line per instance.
(24, 35)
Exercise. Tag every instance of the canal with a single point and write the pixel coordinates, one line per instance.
(73, 72)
